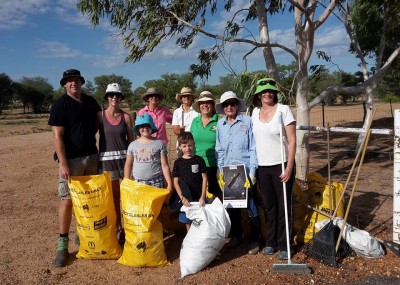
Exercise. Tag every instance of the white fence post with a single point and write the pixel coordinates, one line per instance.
(396, 177)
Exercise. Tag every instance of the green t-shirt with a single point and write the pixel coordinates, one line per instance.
(204, 138)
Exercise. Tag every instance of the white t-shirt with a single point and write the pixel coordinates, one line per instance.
(187, 117)
(267, 136)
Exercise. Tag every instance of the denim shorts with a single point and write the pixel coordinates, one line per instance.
(183, 219)
(85, 165)
(156, 182)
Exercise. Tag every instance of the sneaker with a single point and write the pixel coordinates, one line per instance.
(61, 259)
(121, 236)
(283, 255)
(234, 242)
(268, 250)
(254, 248)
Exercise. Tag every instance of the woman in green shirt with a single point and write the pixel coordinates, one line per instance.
(204, 129)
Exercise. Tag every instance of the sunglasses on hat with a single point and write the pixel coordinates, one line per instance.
(265, 82)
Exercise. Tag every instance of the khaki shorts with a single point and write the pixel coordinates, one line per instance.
(85, 165)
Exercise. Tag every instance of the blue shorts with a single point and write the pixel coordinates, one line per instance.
(183, 219)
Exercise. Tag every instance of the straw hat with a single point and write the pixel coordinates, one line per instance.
(204, 96)
(185, 91)
(152, 91)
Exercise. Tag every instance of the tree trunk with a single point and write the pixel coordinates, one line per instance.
(303, 119)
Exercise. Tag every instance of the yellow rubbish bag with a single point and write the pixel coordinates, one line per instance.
(318, 190)
(141, 205)
(94, 210)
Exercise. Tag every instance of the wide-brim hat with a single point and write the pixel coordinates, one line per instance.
(185, 91)
(142, 120)
(230, 95)
(70, 73)
(112, 89)
(204, 96)
(262, 85)
(152, 91)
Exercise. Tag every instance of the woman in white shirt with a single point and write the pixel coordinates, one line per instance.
(267, 117)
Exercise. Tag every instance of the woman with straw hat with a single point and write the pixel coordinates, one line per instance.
(183, 116)
(161, 115)
(204, 130)
(267, 118)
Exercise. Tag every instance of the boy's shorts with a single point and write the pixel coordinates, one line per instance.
(85, 165)
(183, 219)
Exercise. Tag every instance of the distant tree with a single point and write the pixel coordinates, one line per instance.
(89, 88)
(6, 91)
(36, 92)
(170, 85)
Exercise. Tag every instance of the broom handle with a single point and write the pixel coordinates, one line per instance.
(329, 170)
(352, 190)
(353, 166)
(284, 194)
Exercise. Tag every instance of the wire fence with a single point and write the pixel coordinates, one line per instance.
(372, 205)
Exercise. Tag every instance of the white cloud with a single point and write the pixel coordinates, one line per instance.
(14, 13)
(55, 49)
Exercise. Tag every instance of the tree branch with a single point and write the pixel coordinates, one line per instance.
(232, 40)
(353, 90)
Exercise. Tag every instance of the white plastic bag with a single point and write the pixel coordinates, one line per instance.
(359, 240)
(206, 236)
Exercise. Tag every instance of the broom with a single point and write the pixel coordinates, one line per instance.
(289, 267)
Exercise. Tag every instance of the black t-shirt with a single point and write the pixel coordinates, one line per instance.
(79, 121)
(190, 170)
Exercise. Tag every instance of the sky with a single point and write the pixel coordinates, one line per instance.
(45, 37)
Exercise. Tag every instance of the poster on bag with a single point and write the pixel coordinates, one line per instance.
(235, 192)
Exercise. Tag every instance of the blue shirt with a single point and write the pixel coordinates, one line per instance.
(235, 143)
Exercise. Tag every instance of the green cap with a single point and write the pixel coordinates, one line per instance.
(266, 84)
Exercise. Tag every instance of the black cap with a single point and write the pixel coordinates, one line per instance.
(71, 73)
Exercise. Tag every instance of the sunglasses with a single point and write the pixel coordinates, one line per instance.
(153, 96)
(265, 82)
(230, 103)
(117, 95)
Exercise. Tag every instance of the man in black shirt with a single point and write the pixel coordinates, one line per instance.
(73, 120)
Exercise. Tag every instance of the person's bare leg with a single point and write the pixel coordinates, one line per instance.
(64, 216)
(117, 202)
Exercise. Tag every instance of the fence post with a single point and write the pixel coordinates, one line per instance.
(396, 177)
